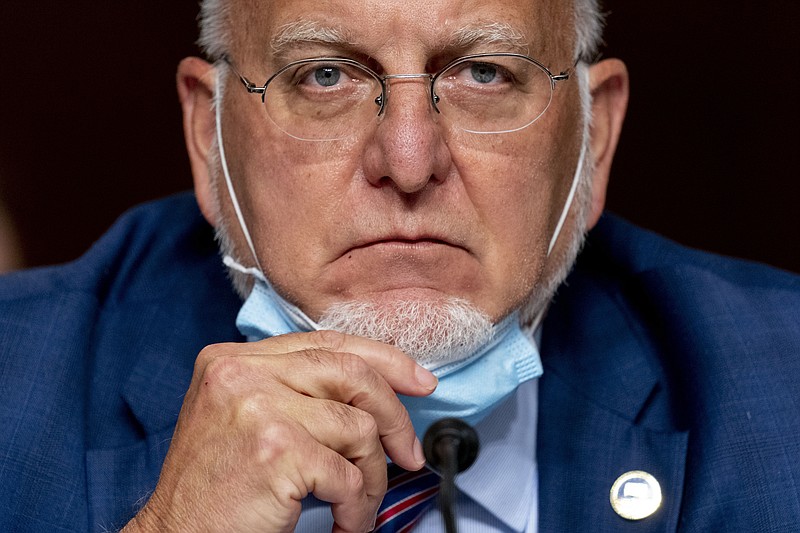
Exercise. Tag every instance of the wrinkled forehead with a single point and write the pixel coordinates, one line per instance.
(541, 28)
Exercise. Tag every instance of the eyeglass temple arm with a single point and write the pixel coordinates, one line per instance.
(565, 75)
(249, 85)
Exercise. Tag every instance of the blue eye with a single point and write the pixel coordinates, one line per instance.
(483, 72)
(327, 76)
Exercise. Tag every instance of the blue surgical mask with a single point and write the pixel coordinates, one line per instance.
(468, 388)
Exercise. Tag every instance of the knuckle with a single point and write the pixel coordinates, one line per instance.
(347, 366)
(352, 478)
(358, 425)
(252, 407)
(209, 354)
(315, 356)
(365, 426)
(354, 368)
(329, 340)
(339, 413)
(223, 372)
(358, 430)
(275, 441)
(362, 380)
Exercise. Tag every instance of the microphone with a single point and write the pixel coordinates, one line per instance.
(450, 446)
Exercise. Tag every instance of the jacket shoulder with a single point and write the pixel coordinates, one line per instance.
(72, 333)
(616, 245)
(144, 241)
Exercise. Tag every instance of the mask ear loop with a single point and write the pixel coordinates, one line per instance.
(226, 173)
(533, 328)
(295, 314)
(570, 197)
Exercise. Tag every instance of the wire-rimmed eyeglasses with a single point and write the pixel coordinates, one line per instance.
(328, 98)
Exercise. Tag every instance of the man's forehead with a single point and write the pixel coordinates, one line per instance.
(508, 25)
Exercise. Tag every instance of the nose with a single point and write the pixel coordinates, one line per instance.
(408, 149)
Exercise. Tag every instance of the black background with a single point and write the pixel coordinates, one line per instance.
(90, 123)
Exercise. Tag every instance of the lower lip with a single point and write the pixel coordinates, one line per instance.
(401, 245)
(401, 248)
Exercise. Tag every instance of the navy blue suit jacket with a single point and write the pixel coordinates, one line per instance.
(656, 358)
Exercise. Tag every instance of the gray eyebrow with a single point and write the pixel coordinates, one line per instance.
(307, 32)
(502, 37)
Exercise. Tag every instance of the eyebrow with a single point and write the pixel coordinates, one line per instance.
(305, 32)
(499, 36)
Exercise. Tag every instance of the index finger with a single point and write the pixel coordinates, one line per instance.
(400, 371)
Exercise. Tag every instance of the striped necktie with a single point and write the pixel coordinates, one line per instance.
(408, 495)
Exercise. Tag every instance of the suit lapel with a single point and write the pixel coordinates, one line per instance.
(603, 411)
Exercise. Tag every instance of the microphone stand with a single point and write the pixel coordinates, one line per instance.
(451, 446)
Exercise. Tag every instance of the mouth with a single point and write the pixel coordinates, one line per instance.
(403, 244)
(400, 242)
(417, 265)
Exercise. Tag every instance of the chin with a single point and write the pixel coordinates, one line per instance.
(427, 325)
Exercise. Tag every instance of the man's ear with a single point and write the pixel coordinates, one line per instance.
(608, 81)
(196, 84)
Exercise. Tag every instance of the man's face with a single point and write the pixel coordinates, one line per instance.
(409, 207)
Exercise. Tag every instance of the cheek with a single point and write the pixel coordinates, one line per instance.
(510, 182)
(514, 184)
(290, 194)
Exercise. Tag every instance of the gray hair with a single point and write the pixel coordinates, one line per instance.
(215, 28)
(589, 23)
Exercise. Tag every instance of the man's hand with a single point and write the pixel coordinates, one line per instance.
(264, 424)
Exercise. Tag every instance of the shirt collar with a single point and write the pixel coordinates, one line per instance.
(504, 477)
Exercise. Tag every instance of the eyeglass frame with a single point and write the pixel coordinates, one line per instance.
(381, 100)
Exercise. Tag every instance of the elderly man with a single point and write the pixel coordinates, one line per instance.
(398, 188)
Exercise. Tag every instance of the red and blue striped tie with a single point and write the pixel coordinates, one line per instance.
(408, 495)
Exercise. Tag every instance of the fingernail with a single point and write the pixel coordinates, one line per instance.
(374, 522)
(426, 378)
(419, 455)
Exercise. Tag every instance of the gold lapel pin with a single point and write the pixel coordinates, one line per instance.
(635, 495)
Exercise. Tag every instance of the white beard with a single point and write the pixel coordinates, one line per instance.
(432, 333)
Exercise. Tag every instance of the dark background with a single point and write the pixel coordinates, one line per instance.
(90, 124)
